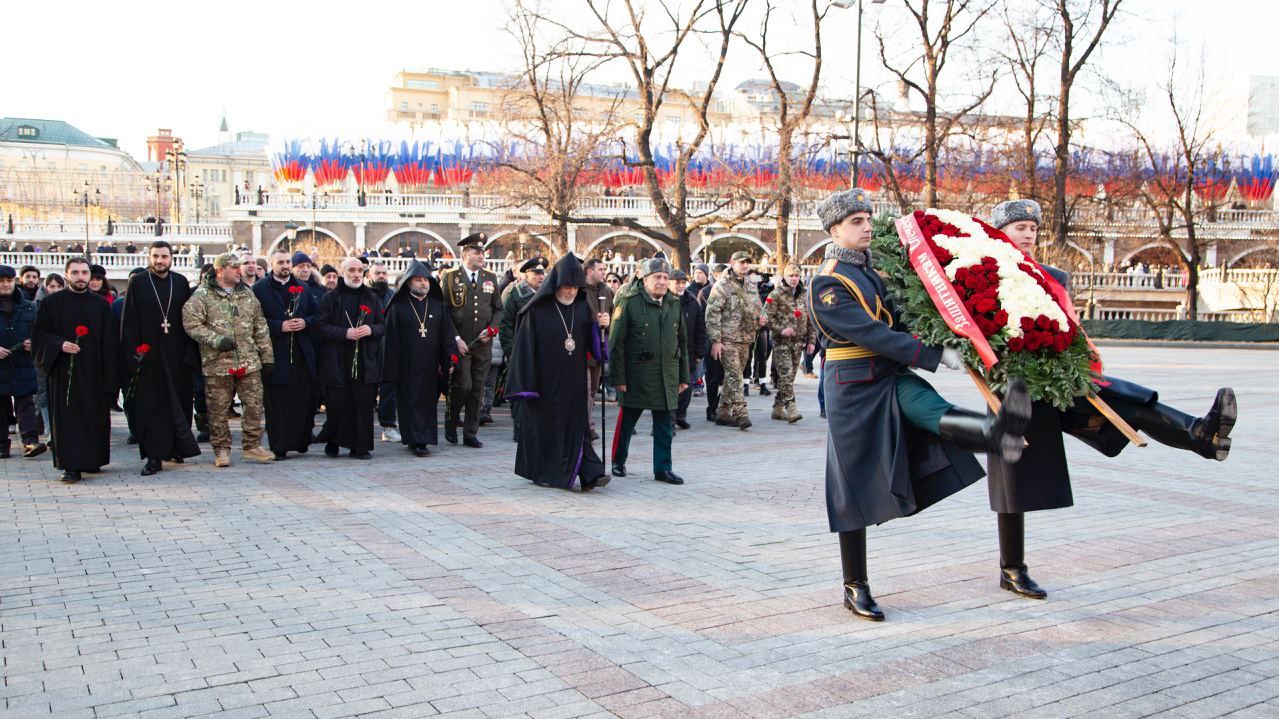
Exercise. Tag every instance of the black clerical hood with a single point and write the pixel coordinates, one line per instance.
(568, 271)
(417, 268)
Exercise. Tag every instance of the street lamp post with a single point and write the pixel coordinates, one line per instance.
(197, 193)
(176, 159)
(857, 92)
(84, 198)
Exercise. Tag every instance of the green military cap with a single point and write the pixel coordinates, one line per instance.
(536, 264)
(226, 259)
(741, 255)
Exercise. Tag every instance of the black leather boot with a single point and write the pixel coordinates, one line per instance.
(1000, 434)
(1207, 436)
(1013, 574)
(852, 557)
(202, 428)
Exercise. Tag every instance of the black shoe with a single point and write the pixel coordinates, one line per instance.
(668, 477)
(746, 390)
(281, 456)
(1017, 580)
(619, 470)
(600, 481)
(743, 423)
(711, 417)
(331, 450)
(151, 467)
(177, 460)
(486, 419)
(683, 424)
(361, 455)
(857, 598)
(822, 414)
(131, 439)
(71, 476)
(422, 451)
(764, 391)
(202, 438)
(4, 454)
(1216, 426)
(34, 450)
(725, 422)
(472, 442)
(450, 435)
(594, 435)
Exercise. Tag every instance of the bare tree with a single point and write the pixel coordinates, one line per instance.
(1170, 191)
(1030, 34)
(650, 50)
(945, 27)
(1082, 24)
(887, 149)
(793, 111)
(555, 130)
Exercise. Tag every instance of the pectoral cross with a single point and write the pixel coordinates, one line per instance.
(421, 331)
(164, 325)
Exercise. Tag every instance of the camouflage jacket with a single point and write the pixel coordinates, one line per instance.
(212, 314)
(732, 311)
(785, 308)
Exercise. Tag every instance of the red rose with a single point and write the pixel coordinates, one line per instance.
(986, 305)
(1041, 322)
(81, 330)
(453, 358)
(1016, 344)
(1027, 324)
(143, 348)
(1001, 317)
(1032, 342)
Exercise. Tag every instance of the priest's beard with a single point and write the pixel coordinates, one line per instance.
(418, 293)
(283, 277)
(353, 285)
(77, 286)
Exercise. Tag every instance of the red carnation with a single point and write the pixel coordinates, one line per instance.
(143, 348)
(81, 330)
(799, 313)
(365, 309)
(491, 330)
(453, 359)
(768, 301)
(295, 290)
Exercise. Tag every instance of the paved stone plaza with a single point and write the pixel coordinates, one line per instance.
(447, 586)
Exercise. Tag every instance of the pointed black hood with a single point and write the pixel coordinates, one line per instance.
(417, 268)
(568, 271)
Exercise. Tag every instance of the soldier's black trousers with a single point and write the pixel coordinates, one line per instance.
(852, 555)
(1012, 539)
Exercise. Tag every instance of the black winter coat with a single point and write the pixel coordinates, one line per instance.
(695, 327)
(339, 312)
(18, 372)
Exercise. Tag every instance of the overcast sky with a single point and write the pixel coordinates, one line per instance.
(292, 69)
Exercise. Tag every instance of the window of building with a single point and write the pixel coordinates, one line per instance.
(435, 107)
(424, 84)
(28, 131)
(404, 105)
(672, 120)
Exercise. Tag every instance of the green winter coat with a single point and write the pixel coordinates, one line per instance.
(647, 350)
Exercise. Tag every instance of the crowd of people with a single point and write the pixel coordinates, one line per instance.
(291, 341)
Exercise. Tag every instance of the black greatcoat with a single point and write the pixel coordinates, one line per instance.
(161, 404)
(81, 419)
(877, 467)
(349, 380)
(289, 390)
(415, 363)
(554, 431)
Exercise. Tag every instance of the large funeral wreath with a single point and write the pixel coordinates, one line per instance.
(1019, 309)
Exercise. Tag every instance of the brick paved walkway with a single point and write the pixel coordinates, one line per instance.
(447, 586)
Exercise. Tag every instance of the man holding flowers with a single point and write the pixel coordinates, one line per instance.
(225, 319)
(350, 325)
(291, 312)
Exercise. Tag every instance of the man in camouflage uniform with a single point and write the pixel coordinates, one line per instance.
(224, 317)
(792, 335)
(733, 314)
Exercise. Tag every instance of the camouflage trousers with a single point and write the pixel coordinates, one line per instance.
(787, 357)
(220, 390)
(732, 403)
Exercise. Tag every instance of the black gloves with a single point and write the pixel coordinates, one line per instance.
(226, 343)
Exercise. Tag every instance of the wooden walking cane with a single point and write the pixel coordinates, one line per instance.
(1100, 404)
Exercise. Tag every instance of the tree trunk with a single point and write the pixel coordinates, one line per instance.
(784, 194)
(1061, 159)
(1192, 252)
(931, 151)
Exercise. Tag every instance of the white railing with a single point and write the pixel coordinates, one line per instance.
(1163, 315)
(213, 232)
(115, 264)
(1267, 278)
(1175, 281)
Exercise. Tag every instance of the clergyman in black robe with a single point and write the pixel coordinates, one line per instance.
(289, 390)
(81, 392)
(158, 382)
(420, 347)
(351, 327)
(556, 332)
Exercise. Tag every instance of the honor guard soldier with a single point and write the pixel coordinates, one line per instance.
(894, 446)
(475, 305)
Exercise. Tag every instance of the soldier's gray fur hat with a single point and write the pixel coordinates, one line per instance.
(1010, 211)
(839, 206)
(654, 265)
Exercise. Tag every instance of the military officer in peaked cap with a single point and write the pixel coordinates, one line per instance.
(471, 293)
